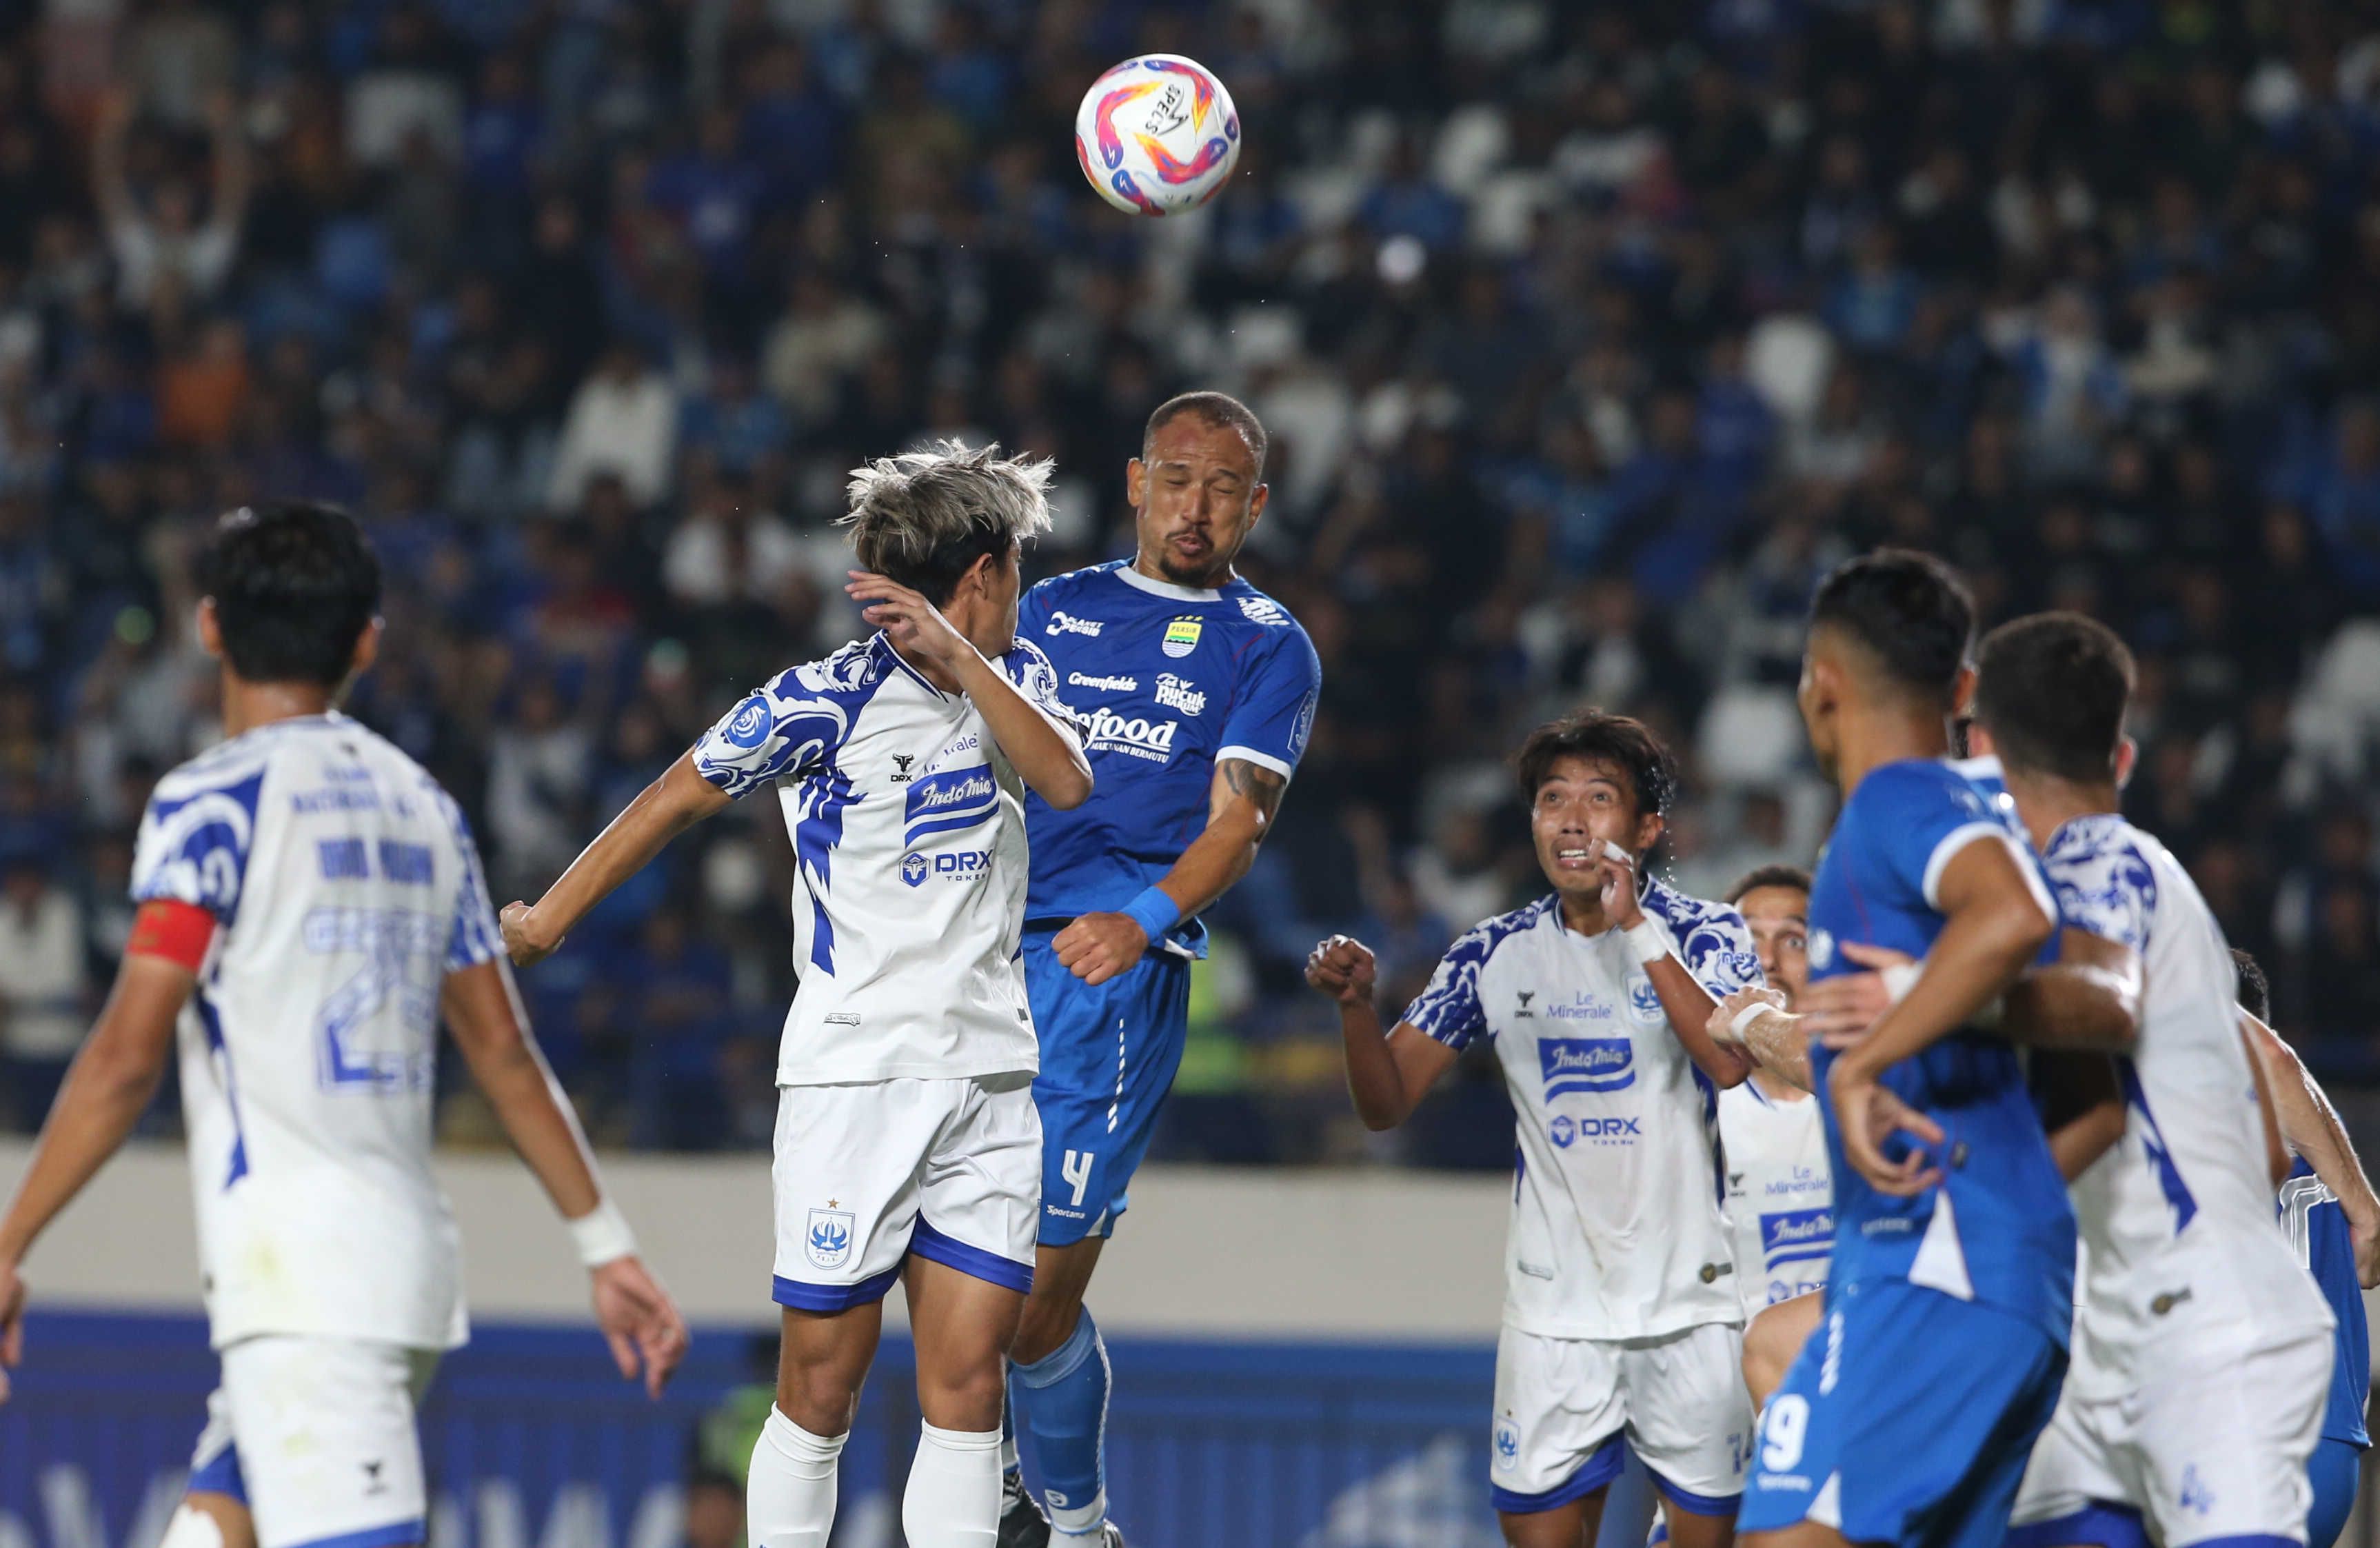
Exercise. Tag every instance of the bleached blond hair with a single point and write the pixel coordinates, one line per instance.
(924, 516)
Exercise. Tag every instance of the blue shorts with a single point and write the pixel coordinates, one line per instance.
(1907, 1419)
(2333, 1470)
(1108, 1055)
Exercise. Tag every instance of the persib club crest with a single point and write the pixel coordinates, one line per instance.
(828, 1240)
(913, 868)
(1180, 636)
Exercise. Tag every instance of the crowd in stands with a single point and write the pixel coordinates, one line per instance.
(1590, 336)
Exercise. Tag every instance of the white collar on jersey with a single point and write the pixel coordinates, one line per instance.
(884, 643)
(1157, 588)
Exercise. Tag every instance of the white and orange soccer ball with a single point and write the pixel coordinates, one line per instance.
(1157, 135)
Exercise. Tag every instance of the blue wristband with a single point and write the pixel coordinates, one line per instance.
(1154, 912)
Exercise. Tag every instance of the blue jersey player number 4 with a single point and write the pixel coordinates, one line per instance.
(1197, 693)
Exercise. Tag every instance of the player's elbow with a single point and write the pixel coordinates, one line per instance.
(1069, 789)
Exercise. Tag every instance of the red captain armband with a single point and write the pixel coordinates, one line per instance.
(169, 927)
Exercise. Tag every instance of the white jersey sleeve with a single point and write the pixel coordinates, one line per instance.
(789, 726)
(1712, 941)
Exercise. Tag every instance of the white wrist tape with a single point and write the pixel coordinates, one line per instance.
(1647, 940)
(1739, 1027)
(602, 1234)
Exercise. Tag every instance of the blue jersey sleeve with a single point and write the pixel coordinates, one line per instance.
(194, 841)
(788, 727)
(1918, 816)
(1273, 714)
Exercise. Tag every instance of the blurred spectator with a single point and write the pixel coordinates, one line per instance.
(1589, 337)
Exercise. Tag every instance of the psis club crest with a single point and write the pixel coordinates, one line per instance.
(827, 1242)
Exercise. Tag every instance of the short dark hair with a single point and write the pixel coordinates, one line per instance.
(2052, 690)
(2255, 991)
(1911, 612)
(1791, 876)
(295, 585)
(1622, 741)
(1219, 410)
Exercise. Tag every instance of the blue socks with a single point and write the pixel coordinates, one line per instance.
(1062, 1401)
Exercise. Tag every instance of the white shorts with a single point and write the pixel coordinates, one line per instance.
(2205, 1447)
(867, 1174)
(1562, 1406)
(316, 1436)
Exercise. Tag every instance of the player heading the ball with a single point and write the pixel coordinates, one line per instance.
(908, 1146)
(309, 902)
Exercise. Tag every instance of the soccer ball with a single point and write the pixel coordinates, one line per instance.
(1157, 135)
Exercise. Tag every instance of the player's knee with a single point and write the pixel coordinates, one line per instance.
(968, 1396)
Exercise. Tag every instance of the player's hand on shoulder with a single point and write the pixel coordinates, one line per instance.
(1841, 1010)
(519, 945)
(1721, 1026)
(2364, 1234)
(1345, 968)
(1096, 947)
(639, 1320)
(914, 626)
(12, 1323)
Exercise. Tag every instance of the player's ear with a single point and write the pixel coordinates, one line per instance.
(1136, 483)
(2128, 757)
(1962, 694)
(1649, 829)
(210, 629)
(367, 651)
(1256, 505)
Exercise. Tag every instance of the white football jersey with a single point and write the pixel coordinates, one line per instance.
(909, 830)
(2176, 1220)
(1781, 1194)
(345, 888)
(1616, 1230)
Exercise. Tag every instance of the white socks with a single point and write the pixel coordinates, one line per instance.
(789, 1502)
(953, 1495)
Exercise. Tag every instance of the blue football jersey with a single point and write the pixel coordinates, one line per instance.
(1168, 680)
(2317, 1228)
(1999, 1229)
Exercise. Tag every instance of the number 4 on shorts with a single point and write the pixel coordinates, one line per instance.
(1076, 1170)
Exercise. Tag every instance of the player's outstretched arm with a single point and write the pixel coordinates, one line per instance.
(1242, 802)
(1045, 754)
(104, 1094)
(1388, 1075)
(1994, 927)
(638, 1319)
(2311, 1128)
(1754, 1020)
(666, 807)
(2087, 1002)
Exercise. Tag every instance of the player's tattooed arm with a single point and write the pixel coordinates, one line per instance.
(106, 1090)
(666, 807)
(1242, 801)
(2311, 1128)
(1387, 1075)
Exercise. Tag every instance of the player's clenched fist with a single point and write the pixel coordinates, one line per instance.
(514, 920)
(1096, 947)
(1343, 967)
